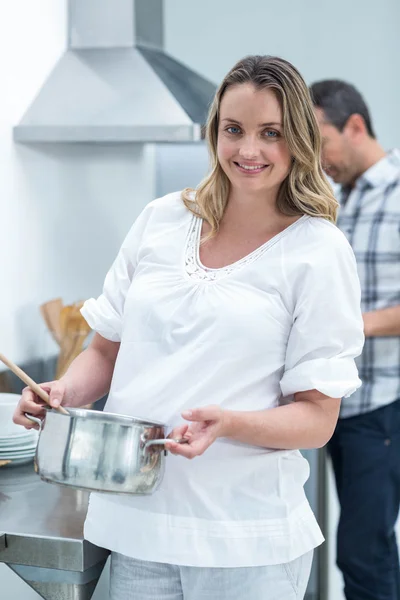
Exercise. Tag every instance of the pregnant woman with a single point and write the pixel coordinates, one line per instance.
(232, 313)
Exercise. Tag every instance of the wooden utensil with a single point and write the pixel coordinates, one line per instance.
(51, 313)
(30, 383)
(74, 331)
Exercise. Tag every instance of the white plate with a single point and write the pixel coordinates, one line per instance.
(7, 455)
(18, 444)
(7, 398)
(26, 439)
(7, 452)
(8, 402)
(18, 447)
(25, 448)
(19, 433)
(19, 436)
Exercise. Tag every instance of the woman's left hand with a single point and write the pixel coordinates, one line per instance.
(207, 424)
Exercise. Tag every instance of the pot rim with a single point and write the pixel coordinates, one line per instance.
(107, 417)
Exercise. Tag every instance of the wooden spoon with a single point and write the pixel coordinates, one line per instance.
(51, 313)
(74, 334)
(30, 383)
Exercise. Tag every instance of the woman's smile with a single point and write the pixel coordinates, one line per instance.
(250, 168)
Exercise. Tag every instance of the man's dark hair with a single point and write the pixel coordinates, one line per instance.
(339, 100)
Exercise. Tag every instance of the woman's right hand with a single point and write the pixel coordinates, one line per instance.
(33, 405)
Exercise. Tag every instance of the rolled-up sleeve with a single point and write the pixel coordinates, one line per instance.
(105, 314)
(327, 331)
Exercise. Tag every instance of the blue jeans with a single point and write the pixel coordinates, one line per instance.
(133, 579)
(365, 452)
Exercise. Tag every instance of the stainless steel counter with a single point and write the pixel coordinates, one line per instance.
(43, 536)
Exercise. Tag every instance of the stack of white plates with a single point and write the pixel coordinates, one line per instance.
(17, 445)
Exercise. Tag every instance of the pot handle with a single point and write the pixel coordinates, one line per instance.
(34, 420)
(164, 441)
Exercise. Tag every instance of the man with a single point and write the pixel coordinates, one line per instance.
(365, 448)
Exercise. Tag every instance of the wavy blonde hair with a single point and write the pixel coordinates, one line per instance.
(305, 190)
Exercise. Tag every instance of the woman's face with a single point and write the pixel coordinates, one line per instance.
(251, 148)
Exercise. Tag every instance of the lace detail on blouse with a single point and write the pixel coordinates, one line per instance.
(198, 272)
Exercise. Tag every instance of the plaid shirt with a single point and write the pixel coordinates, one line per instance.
(369, 216)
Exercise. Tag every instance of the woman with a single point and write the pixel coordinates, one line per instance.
(231, 313)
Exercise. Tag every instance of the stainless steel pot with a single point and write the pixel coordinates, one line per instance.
(101, 452)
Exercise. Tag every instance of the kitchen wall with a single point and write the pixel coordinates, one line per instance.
(357, 41)
(65, 209)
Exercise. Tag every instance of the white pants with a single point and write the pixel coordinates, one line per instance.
(133, 579)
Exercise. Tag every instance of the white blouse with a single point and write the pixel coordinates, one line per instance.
(284, 319)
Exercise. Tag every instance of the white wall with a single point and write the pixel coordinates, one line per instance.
(64, 208)
(356, 40)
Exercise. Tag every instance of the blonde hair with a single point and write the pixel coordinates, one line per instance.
(306, 189)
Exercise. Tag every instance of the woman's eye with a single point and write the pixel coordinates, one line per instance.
(233, 129)
(271, 134)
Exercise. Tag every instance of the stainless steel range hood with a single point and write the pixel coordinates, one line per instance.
(115, 83)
